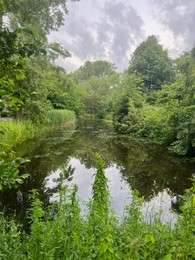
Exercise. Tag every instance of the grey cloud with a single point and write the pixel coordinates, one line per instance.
(120, 13)
(110, 37)
(179, 17)
(83, 41)
(121, 27)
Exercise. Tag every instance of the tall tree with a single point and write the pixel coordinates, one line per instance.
(152, 64)
(100, 68)
(19, 42)
(95, 92)
(62, 93)
(14, 50)
(186, 66)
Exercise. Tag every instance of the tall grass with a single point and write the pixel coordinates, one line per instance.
(60, 117)
(60, 232)
(14, 132)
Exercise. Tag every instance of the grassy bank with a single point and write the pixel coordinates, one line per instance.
(61, 232)
(13, 133)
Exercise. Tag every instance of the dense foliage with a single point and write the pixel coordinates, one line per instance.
(25, 65)
(26, 58)
(99, 69)
(95, 82)
(43, 16)
(152, 64)
(154, 98)
(62, 232)
(165, 115)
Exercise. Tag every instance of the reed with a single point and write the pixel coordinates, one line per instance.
(14, 132)
(60, 117)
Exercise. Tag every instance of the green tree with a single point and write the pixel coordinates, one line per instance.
(95, 92)
(36, 105)
(21, 77)
(62, 93)
(14, 49)
(99, 69)
(185, 65)
(42, 16)
(178, 102)
(152, 64)
(127, 102)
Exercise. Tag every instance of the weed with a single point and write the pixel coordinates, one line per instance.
(61, 232)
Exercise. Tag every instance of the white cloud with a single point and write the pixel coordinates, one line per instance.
(111, 30)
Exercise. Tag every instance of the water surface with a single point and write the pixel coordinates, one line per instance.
(158, 175)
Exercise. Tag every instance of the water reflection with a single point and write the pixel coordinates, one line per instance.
(84, 178)
(160, 208)
(129, 165)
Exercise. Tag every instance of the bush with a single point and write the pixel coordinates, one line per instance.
(9, 168)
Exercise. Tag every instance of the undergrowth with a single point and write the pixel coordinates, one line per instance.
(62, 232)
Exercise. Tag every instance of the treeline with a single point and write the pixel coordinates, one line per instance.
(159, 98)
(154, 98)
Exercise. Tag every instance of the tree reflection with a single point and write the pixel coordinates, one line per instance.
(146, 167)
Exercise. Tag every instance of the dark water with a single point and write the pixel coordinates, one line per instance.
(158, 175)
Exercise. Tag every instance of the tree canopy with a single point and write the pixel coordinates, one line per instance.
(152, 64)
(99, 68)
(23, 39)
(43, 16)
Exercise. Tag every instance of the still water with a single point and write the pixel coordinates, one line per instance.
(129, 164)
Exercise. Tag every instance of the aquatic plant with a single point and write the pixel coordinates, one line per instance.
(15, 132)
(60, 117)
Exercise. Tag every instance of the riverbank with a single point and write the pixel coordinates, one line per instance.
(60, 231)
(14, 132)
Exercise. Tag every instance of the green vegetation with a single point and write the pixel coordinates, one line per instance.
(26, 64)
(153, 109)
(60, 117)
(29, 81)
(9, 168)
(152, 64)
(15, 132)
(94, 83)
(60, 232)
(154, 98)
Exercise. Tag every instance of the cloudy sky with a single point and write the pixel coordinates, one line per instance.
(111, 29)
